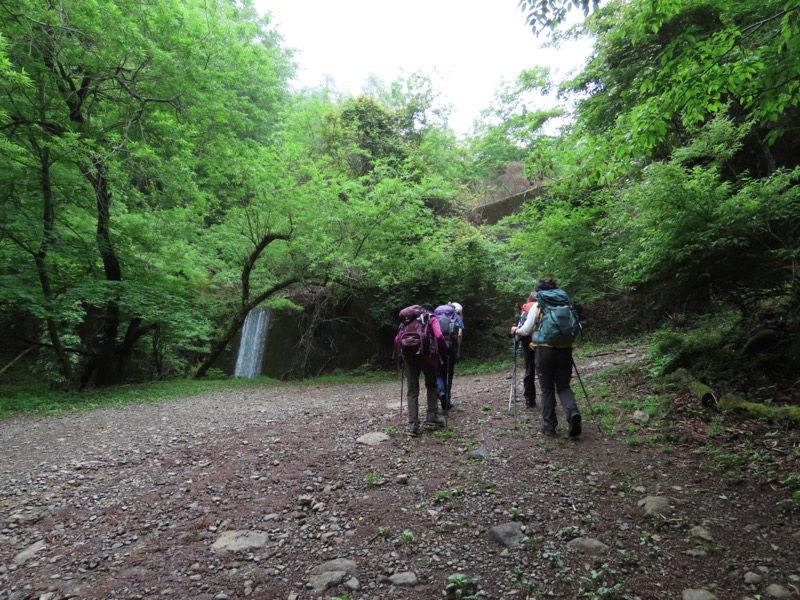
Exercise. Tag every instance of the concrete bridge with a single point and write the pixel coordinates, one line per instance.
(492, 212)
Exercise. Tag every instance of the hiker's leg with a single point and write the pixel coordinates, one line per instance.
(451, 367)
(529, 380)
(412, 396)
(441, 382)
(546, 370)
(563, 375)
(429, 371)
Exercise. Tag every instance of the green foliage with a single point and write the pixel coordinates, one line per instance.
(560, 235)
(368, 132)
(107, 206)
(372, 479)
(182, 185)
(472, 366)
(444, 435)
(679, 232)
(547, 14)
(685, 180)
(512, 129)
(461, 587)
(415, 102)
(407, 537)
(791, 484)
(221, 194)
(554, 558)
(673, 348)
(600, 583)
(667, 67)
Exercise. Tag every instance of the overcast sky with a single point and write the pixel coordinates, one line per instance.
(473, 44)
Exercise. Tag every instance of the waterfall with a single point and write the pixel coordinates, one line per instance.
(251, 346)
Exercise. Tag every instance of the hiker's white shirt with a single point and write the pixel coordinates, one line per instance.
(527, 327)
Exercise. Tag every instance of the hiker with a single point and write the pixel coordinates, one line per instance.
(553, 359)
(451, 325)
(425, 361)
(523, 332)
(460, 323)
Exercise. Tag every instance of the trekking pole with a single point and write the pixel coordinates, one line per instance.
(588, 402)
(402, 380)
(448, 382)
(445, 364)
(447, 399)
(516, 345)
(512, 393)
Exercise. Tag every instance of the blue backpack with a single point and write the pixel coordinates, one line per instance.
(446, 315)
(558, 324)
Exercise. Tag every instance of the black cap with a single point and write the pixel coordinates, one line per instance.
(428, 307)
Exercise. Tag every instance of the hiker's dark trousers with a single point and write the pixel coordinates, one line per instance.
(444, 377)
(554, 366)
(415, 367)
(529, 380)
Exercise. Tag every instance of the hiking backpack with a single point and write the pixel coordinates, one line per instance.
(446, 316)
(415, 335)
(558, 324)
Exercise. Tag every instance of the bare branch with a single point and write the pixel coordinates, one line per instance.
(143, 99)
(250, 263)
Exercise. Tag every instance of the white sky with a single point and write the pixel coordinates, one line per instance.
(473, 44)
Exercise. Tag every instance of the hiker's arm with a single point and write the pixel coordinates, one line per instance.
(460, 335)
(527, 327)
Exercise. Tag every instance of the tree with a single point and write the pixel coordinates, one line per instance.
(543, 15)
(140, 114)
(512, 129)
(661, 70)
(684, 162)
(416, 103)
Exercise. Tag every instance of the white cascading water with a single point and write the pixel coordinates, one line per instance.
(252, 344)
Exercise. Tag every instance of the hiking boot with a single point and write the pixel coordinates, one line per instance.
(530, 403)
(450, 405)
(547, 431)
(412, 429)
(443, 401)
(432, 417)
(574, 424)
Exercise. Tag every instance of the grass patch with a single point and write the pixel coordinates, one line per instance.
(22, 395)
(349, 378)
(472, 366)
(40, 400)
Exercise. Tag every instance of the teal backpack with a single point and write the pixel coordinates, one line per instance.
(558, 323)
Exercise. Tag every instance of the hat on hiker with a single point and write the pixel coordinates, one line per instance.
(457, 306)
(427, 307)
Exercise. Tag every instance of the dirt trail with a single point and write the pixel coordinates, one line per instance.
(145, 502)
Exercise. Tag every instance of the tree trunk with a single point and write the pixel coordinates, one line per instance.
(220, 344)
(704, 394)
(110, 360)
(40, 259)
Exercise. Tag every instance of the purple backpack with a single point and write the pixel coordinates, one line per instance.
(415, 335)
